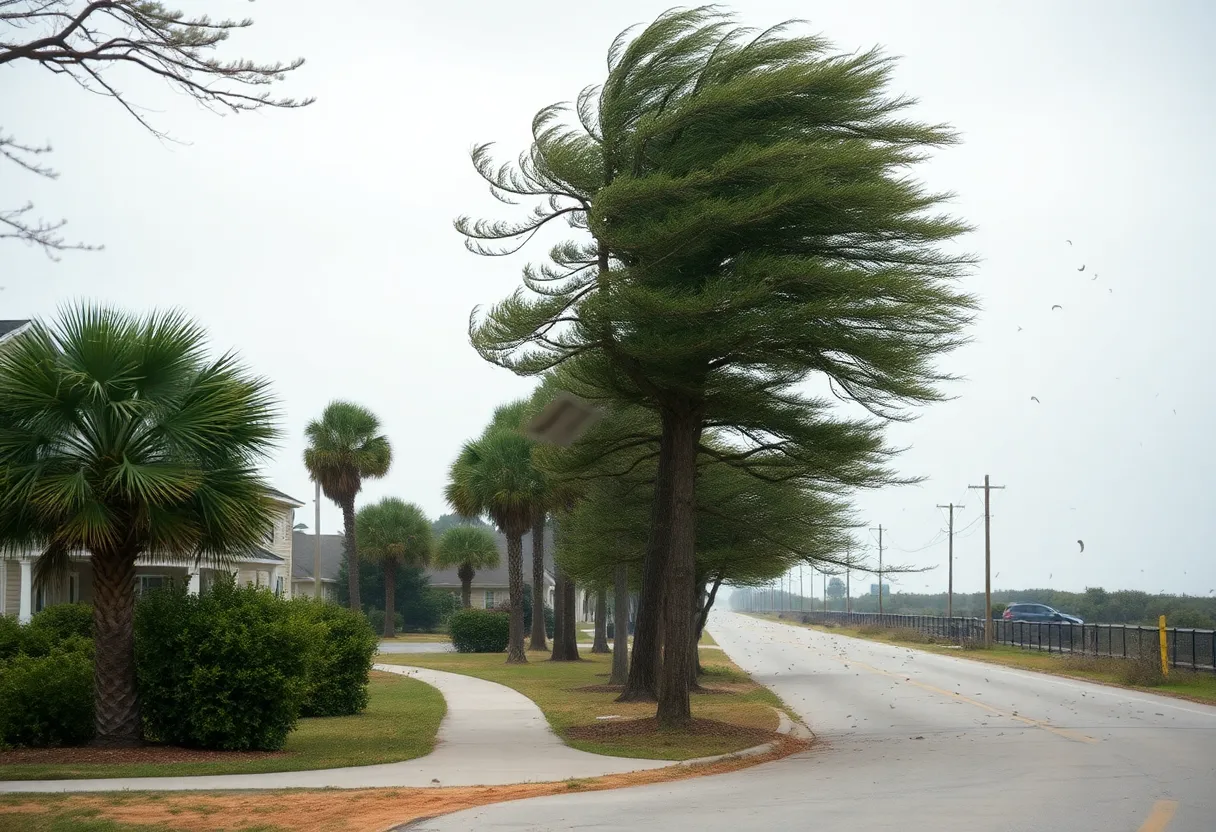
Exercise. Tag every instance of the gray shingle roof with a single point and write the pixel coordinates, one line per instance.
(7, 328)
(303, 552)
(287, 498)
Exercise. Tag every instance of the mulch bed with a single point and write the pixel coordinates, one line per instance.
(645, 727)
(619, 688)
(123, 756)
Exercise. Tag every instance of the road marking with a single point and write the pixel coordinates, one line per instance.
(1076, 736)
(1160, 817)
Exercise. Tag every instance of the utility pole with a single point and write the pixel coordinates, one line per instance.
(316, 559)
(825, 591)
(987, 558)
(801, 591)
(879, 530)
(950, 568)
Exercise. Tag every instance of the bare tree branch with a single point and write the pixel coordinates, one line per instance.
(86, 40)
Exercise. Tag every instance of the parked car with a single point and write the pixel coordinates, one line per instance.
(1038, 612)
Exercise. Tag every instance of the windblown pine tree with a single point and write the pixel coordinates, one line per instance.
(750, 222)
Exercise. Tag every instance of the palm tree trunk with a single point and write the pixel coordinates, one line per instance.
(390, 598)
(642, 684)
(515, 588)
(570, 622)
(620, 625)
(352, 552)
(466, 574)
(559, 616)
(600, 643)
(538, 585)
(115, 693)
(683, 432)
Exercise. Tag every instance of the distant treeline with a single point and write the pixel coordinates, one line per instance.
(1095, 605)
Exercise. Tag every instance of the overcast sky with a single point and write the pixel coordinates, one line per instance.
(319, 244)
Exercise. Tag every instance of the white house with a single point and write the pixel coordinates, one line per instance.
(270, 566)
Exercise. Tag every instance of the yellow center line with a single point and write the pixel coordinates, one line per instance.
(1037, 723)
(1160, 817)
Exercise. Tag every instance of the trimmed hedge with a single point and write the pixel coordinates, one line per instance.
(225, 670)
(63, 621)
(341, 658)
(479, 631)
(48, 700)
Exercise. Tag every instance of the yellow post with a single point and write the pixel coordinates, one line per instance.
(1165, 653)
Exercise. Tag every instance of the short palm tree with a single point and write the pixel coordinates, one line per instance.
(393, 533)
(120, 437)
(468, 548)
(345, 447)
(494, 476)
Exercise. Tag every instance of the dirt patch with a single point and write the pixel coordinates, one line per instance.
(726, 688)
(645, 727)
(154, 754)
(364, 810)
(598, 689)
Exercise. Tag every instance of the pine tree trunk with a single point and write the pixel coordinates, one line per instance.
(559, 616)
(600, 642)
(390, 598)
(570, 622)
(683, 432)
(515, 588)
(642, 684)
(352, 553)
(538, 585)
(115, 692)
(620, 625)
(466, 573)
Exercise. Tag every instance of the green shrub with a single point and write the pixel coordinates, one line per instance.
(63, 621)
(10, 635)
(47, 700)
(225, 670)
(340, 658)
(376, 619)
(479, 631)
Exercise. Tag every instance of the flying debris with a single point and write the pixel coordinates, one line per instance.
(1068, 241)
(1095, 277)
(1082, 268)
(1081, 543)
(1057, 306)
(1035, 399)
(1019, 329)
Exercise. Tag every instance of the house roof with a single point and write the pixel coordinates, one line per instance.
(498, 576)
(303, 552)
(10, 328)
(284, 498)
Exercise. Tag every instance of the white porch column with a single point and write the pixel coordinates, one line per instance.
(273, 573)
(25, 611)
(196, 583)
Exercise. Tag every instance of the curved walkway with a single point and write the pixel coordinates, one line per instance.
(490, 736)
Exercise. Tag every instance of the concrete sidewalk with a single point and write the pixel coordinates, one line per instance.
(491, 736)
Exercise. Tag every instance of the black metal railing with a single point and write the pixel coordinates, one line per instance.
(1187, 647)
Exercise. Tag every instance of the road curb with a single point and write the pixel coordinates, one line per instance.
(785, 726)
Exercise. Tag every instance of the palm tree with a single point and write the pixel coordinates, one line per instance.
(494, 475)
(121, 438)
(345, 447)
(468, 548)
(393, 533)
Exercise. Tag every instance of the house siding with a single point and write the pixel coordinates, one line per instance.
(281, 546)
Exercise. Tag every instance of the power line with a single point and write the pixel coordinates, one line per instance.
(987, 487)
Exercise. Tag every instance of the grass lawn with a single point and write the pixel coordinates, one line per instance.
(418, 638)
(400, 723)
(571, 712)
(1123, 673)
(707, 639)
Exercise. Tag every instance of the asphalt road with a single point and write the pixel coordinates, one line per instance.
(920, 742)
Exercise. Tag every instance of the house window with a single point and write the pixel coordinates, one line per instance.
(147, 583)
(74, 588)
(489, 598)
(268, 535)
(278, 585)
